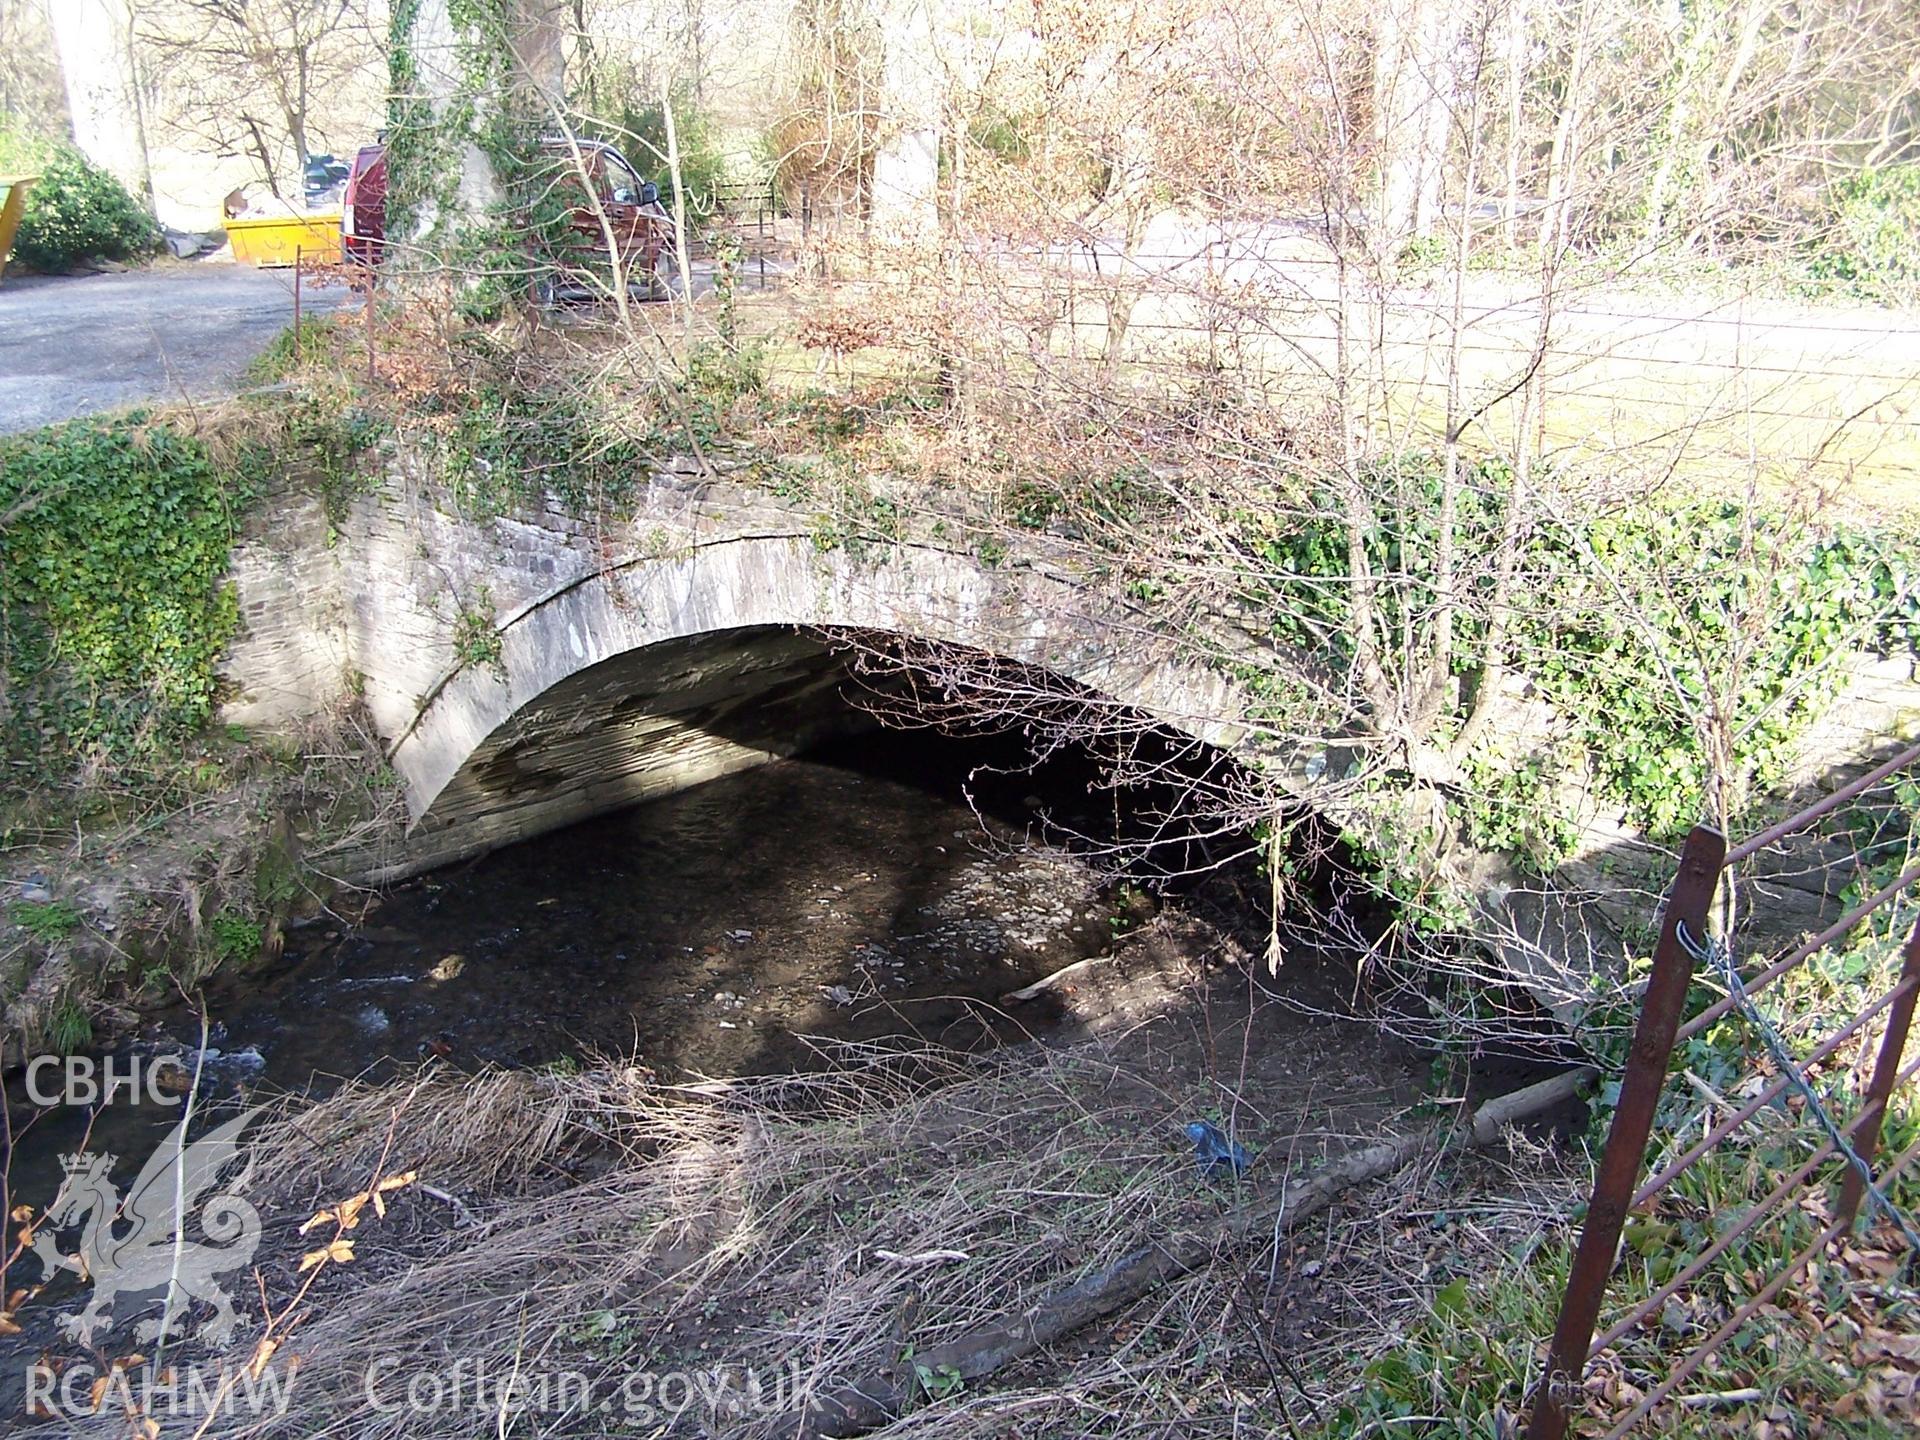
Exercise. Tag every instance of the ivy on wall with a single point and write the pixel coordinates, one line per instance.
(487, 249)
(1625, 622)
(114, 540)
(1641, 608)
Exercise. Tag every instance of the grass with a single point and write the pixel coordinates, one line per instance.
(1479, 1350)
(596, 1223)
(70, 1028)
(291, 349)
(46, 920)
(615, 1225)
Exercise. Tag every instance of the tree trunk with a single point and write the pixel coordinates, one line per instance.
(1132, 191)
(1412, 98)
(1514, 62)
(456, 73)
(539, 45)
(906, 172)
(94, 38)
(297, 132)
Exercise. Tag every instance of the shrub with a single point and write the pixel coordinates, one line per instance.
(1872, 245)
(113, 610)
(76, 211)
(235, 938)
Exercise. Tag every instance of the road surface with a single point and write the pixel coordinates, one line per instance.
(78, 345)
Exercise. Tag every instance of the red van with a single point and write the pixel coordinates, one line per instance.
(641, 226)
(363, 207)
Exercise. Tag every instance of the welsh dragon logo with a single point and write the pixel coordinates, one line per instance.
(139, 1244)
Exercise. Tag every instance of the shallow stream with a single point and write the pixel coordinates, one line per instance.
(884, 888)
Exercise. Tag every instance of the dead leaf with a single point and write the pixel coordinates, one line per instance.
(262, 1354)
(1879, 1264)
(340, 1252)
(21, 1213)
(98, 1394)
(7, 1325)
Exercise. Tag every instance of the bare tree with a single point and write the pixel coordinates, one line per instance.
(32, 91)
(1335, 260)
(256, 77)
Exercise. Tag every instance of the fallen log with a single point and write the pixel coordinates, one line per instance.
(1501, 1111)
(852, 1407)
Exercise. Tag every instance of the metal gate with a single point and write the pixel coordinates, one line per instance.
(1847, 1154)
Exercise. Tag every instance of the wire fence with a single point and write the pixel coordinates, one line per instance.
(1762, 383)
(1728, 381)
(1847, 1155)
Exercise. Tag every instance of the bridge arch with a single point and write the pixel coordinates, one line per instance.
(656, 672)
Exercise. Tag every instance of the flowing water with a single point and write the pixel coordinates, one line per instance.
(886, 888)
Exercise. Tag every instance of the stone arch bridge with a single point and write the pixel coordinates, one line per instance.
(526, 672)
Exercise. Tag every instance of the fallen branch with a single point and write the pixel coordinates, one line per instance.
(1717, 1398)
(458, 1206)
(1047, 982)
(1501, 1111)
(924, 1257)
(865, 1404)
(862, 1405)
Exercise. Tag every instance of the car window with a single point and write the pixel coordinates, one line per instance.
(621, 184)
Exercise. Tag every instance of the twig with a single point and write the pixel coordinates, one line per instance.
(461, 1212)
(179, 1193)
(924, 1257)
(848, 1409)
(1711, 1399)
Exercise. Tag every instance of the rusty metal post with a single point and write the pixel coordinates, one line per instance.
(1661, 1008)
(296, 304)
(1880, 1088)
(367, 321)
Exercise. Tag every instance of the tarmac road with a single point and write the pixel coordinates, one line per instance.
(79, 345)
(85, 344)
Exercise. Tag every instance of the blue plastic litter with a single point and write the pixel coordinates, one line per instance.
(1213, 1150)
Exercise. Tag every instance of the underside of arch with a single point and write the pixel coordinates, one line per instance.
(643, 723)
(642, 681)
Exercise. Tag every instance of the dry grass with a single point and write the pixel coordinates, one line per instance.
(601, 1225)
